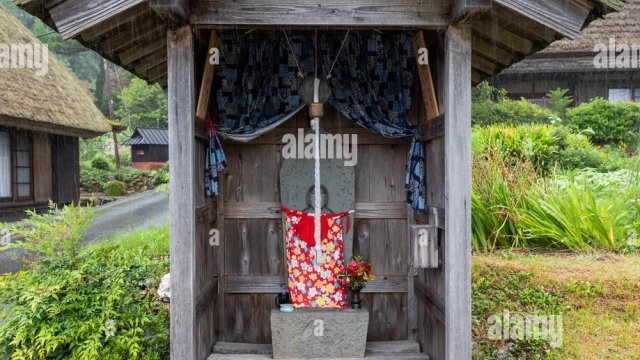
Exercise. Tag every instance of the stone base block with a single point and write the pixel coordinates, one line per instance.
(319, 333)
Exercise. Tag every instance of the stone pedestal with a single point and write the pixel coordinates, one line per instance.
(319, 333)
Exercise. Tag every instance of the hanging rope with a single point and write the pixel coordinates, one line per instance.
(338, 54)
(316, 155)
(300, 73)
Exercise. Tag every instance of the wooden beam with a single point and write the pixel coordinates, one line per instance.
(182, 199)
(138, 51)
(476, 77)
(178, 8)
(466, 10)
(252, 210)
(564, 16)
(204, 213)
(135, 15)
(386, 210)
(491, 51)
(483, 64)
(271, 210)
(430, 299)
(426, 82)
(151, 60)
(502, 36)
(424, 218)
(156, 72)
(513, 21)
(323, 13)
(365, 137)
(433, 128)
(206, 297)
(140, 34)
(163, 82)
(207, 79)
(273, 284)
(73, 16)
(457, 185)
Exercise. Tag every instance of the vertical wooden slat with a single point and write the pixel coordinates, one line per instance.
(412, 304)
(457, 179)
(426, 82)
(220, 309)
(363, 172)
(207, 80)
(42, 167)
(182, 201)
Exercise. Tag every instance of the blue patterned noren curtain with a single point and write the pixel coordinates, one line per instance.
(371, 85)
(256, 86)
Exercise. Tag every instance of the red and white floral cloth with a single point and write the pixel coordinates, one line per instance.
(310, 286)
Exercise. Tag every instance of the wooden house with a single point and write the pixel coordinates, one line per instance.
(228, 252)
(41, 119)
(149, 148)
(602, 61)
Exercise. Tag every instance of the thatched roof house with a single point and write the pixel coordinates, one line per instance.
(56, 101)
(43, 110)
(602, 61)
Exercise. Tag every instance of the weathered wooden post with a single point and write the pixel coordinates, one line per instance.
(182, 200)
(457, 178)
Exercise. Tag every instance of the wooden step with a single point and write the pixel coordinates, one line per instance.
(373, 356)
(401, 350)
(393, 347)
(228, 348)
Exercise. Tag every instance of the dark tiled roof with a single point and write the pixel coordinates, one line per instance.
(148, 136)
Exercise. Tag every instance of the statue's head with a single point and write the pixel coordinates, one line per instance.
(324, 196)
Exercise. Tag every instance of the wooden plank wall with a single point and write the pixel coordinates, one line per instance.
(42, 167)
(66, 169)
(206, 261)
(429, 284)
(253, 241)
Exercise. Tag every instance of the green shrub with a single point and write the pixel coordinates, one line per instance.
(613, 123)
(100, 162)
(96, 304)
(559, 101)
(579, 158)
(55, 236)
(115, 188)
(161, 177)
(535, 142)
(490, 106)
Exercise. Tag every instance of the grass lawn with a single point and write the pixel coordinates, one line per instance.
(598, 297)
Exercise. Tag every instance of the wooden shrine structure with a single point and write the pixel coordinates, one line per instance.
(224, 293)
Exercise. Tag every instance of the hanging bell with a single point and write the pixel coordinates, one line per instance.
(306, 90)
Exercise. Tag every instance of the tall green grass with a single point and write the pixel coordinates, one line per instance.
(513, 206)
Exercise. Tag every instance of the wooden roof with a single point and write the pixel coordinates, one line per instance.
(56, 102)
(577, 55)
(133, 33)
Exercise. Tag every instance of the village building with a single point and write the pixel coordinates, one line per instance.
(149, 148)
(44, 110)
(602, 61)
